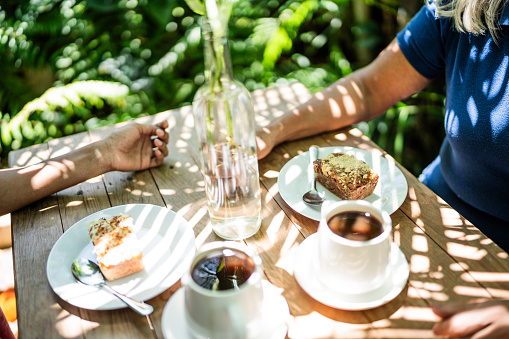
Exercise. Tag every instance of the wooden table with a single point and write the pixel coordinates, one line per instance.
(450, 260)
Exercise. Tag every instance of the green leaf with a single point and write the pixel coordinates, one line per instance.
(197, 6)
(279, 42)
(218, 13)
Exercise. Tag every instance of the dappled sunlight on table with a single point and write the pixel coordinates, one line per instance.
(452, 217)
(420, 243)
(461, 236)
(499, 293)
(72, 327)
(486, 276)
(73, 203)
(419, 263)
(274, 226)
(290, 244)
(314, 325)
(422, 314)
(431, 292)
(466, 251)
(273, 190)
(422, 318)
(474, 292)
(270, 174)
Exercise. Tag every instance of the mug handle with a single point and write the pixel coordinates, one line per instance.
(236, 321)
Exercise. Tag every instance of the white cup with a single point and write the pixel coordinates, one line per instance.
(228, 313)
(352, 266)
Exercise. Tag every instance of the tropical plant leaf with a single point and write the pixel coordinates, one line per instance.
(197, 6)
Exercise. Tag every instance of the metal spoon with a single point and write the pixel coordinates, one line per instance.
(88, 273)
(313, 197)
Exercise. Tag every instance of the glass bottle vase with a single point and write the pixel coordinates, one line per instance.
(225, 125)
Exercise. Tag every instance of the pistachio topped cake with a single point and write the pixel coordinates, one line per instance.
(116, 246)
(345, 176)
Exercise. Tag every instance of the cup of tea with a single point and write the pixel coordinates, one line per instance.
(354, 240)
(223, 291)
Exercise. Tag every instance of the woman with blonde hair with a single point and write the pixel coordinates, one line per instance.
(472, 16)
(467, 42)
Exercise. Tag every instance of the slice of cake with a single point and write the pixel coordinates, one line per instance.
(116, 246)
(345, 176)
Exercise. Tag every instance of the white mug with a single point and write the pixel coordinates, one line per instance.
(352, 266)
(227, 313)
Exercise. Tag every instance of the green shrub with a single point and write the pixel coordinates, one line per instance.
(151, 49)
(70, 109)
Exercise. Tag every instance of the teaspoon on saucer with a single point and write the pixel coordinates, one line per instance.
(313, 197)
(88, 273)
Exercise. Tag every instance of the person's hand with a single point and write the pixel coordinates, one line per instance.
(488, 319)
(136, 147)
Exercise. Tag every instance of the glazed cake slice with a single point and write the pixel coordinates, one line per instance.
(116, 246)
(345, 176)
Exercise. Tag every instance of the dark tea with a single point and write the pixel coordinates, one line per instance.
(223, 270)
(355, 225)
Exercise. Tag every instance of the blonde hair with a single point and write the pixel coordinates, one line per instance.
(473, 16)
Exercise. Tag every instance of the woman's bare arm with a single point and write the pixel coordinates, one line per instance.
(361, 96)
(133, 147)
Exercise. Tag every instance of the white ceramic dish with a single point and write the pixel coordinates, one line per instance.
(274, 315)
(167, 242)
(293, 181)
(306, 274)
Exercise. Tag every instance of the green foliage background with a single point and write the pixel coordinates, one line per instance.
(71, 65)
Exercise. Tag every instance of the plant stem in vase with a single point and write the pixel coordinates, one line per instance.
(224, 120)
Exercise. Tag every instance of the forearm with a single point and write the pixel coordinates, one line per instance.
(339, 105)
(361, 96)
(22, 186)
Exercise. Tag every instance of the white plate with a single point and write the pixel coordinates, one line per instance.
(168, 246)
(306, 274)
(274, 315)
(293, 181)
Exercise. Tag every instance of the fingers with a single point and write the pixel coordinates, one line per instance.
(163, 124)
(445, 311)
(161, 146)
(162, 135)
(158, 138)
(157, 159)
(460, 325)
(473, 319)
(155, 131)
(160, 142)
(161, 131)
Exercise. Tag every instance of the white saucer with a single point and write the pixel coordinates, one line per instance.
(293, 181)
(307, 277)
(275, 315)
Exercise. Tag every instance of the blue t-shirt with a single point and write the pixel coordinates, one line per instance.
(475, 153)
